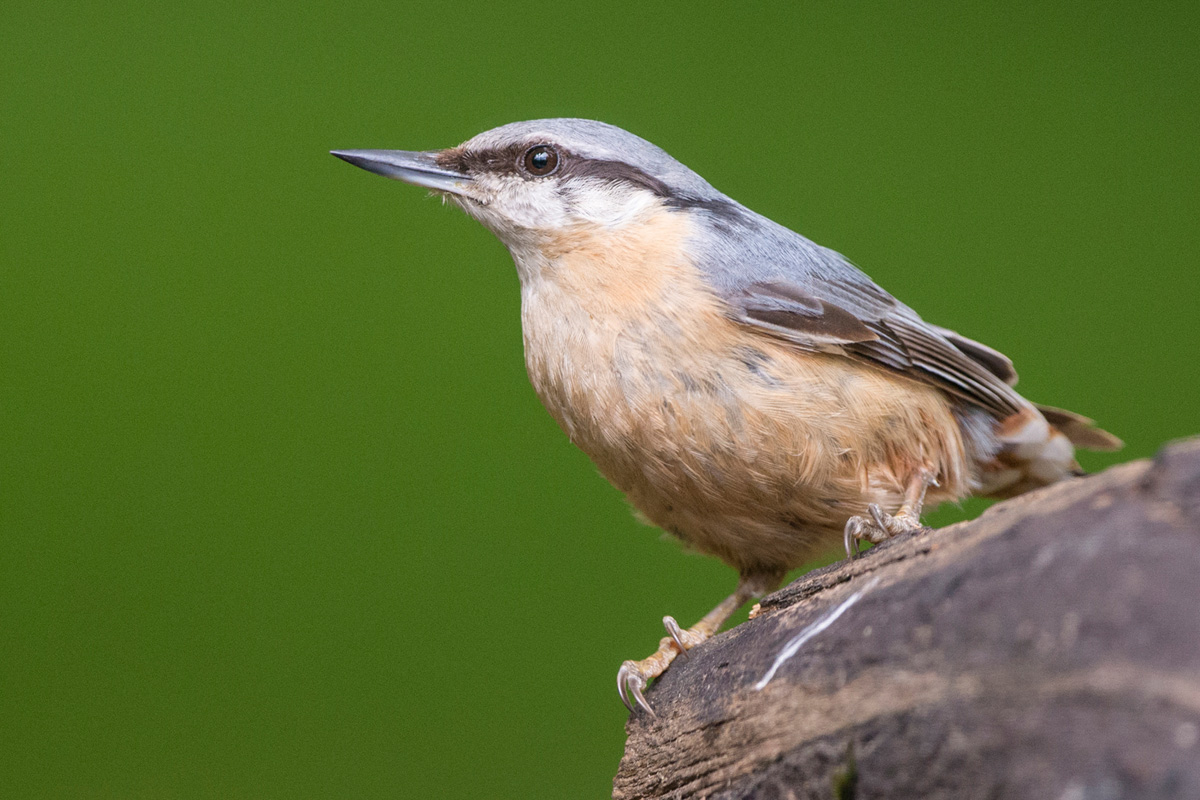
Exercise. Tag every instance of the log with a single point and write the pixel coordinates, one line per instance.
(1049, 648)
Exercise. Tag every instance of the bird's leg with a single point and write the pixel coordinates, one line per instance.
(882, 525)
(634, 675)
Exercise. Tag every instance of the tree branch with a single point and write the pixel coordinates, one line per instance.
(1050, 648)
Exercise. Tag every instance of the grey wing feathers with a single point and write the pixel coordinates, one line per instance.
(912, 346)
(996, 362)
(787, 286)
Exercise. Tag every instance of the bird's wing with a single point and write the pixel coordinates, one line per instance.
(780, 283)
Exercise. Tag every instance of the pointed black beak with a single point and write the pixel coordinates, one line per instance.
(411, 166)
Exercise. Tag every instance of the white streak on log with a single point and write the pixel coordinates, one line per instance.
(797, 641)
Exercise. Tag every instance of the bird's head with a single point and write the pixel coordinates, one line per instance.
(536, 182)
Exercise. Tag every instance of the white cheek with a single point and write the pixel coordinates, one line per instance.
(534, 204)
(522, 212)
(610, 205)
(508, 206)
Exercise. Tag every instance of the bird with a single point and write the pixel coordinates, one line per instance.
(751, 392)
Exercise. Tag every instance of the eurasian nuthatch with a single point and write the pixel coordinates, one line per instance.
(749, 391)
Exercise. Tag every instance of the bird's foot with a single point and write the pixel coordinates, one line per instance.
(633, 676)
(877, 527)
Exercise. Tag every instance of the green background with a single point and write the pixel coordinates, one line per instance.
(280, 515)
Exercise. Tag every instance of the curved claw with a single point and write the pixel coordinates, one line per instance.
(850, 539)
(877, 514)
(630, 684)
(622, 677)
(676, 634)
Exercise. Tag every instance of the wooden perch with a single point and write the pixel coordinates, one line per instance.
(1050, 648)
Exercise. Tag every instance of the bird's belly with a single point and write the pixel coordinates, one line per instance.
(743, 447)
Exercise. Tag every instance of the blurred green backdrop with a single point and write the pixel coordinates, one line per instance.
(281, 516)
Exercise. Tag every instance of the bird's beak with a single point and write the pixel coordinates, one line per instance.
(410, 166)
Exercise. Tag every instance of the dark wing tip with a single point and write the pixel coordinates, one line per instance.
(1080, 430)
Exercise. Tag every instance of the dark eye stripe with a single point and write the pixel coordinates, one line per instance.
(510, 160)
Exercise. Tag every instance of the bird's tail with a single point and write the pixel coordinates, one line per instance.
(1036, 447)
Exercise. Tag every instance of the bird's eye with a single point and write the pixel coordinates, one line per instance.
(541, 160)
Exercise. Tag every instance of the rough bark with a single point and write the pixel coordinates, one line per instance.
(1050, 648)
